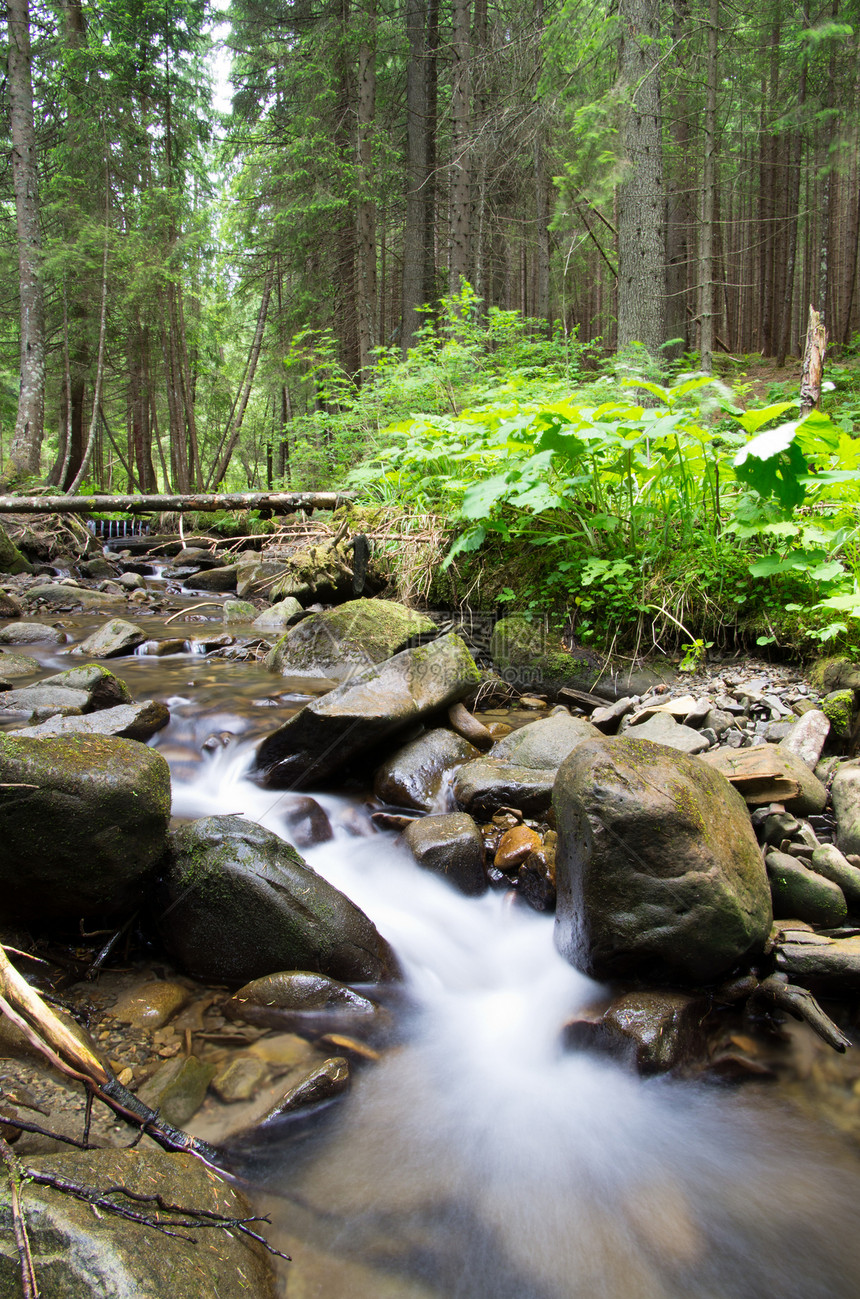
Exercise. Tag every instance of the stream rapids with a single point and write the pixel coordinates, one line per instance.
(478, 1160)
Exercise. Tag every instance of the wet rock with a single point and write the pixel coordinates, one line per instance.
(807, 736)
(278, 616)
(536, 880)
(78, 1253)
(373, 705)
(769, 773)
(160, 649)
(657, 867)
(178, 1088)
(240, 1079)
(306, 823)
(801, 894)
(116, 637)
(522, 768)
(828, 861)
(282, 1050)
(15, 666)
(353, 636)
(31, 633)
(451, 846)
(778, 826)
(61, 593)
(514, 846)
(83, 822)
(719, 721)
(213, 579)
(304, 1002)
(103, 689)
(845, 793)
(10, 605)
(661, 728)
(819, 961)
(324, 1083)
(151, 1005)
(35, 702)
(653, 1031)
(236, 903)
(96, 569)
(238, 611)
(415, 774)
(608, 719)
(131, 582)
(128, 721)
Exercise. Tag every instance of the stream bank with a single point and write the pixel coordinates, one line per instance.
(475, 1155)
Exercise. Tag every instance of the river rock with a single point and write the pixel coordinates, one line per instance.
(807, 736)
(240, 1079)
(83, 822)
(451, 846)
(306, 823)
(819, 961)
(801, 894)
(658, 870)
(103, 689)
(62, 593)
(845, 793)
(79, 1254)
(129, 721)
(15, 666)
(11, 559)
(371, 706)
(213, 579)
(323, 1083)
(662, 728)
(299, 1001)
(116, 637)
(654, 1031)
(414, 775)
(353, 636)
(236, 903)
(769, 773)
(31, 633)
(278, 616)
(238, 611)
(151, 1005)
(515, 846)
(522, 768)
(96, 569)
(178, 1088)
(828, 861)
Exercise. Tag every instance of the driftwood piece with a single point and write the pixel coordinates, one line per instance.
(800, 1003)
(279, 502)
(813, 363)
(756, 773)
(581, 698)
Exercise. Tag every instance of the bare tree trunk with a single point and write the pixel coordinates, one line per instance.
(415, 232)
(641, 198)
(793, 205)
(813, 363)
(100, 363)
(366, 215)
(26, 446)
(234, 428)
(460, 258)
(706, 244)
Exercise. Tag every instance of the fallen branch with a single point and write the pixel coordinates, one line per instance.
(19, 1227)
(800, 1003)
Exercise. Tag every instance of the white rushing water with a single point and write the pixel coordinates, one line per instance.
(480, 1161)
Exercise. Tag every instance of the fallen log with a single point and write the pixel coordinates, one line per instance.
(278, 502)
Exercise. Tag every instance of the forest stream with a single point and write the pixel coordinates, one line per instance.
(476, 1158)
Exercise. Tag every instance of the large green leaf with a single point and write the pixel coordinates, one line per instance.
(753, 420)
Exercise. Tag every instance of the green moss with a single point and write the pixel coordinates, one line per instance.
(838, 708)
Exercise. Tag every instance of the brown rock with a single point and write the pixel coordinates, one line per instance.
(514, 847)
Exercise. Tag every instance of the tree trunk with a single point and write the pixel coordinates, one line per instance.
(366, 216)
(234, 427)
(793, 206)
(459, 259)
(26, 446)
(416, 230)
(706, 243)
(641, 197)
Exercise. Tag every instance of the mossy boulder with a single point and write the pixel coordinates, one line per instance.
(11, 559)
(83, 822)
(352, 636)
(521, 769)
(658, 871)
(527, 654)
(370, 707)
(236, 903)
(79, 1254)
(838, 708)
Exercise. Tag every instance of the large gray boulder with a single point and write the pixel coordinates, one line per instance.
(658, 871)
(31, 633)
(368, 708)
(413, 776)
(79, 1253)
(115, 637)
(451, 846)
(344, 640)
(83, 822)
(129, 721)
(521, 770)
(79, 690)
(236, 903)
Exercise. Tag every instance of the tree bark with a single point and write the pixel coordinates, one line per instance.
(366, 215)
(415, 232)
(280, 502)
(234, 427)
(460, 259)
(641, 197)
(709, 195)
(29, 425)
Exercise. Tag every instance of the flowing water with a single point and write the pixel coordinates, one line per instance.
(478, 1160)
